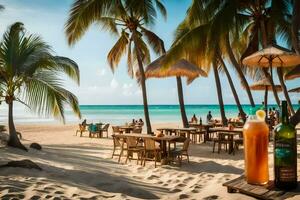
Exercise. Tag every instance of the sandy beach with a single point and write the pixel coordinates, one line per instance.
(81, 168)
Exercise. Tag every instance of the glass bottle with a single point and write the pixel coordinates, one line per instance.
(256, 140)
(285, 152)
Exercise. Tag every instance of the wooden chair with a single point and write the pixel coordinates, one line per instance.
(104, 129)
(150, 148)
(117, 144)
(82, 129)
(178, 153)
(237, 142)
(116, 130)
(132, 148)
(137, 129)
(221, 139)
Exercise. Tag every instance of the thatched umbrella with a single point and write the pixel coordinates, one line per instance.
(294, 73)
(274, 56)
(264, 85)
(297, 90)
(181, 68)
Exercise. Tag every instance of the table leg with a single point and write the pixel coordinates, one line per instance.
(206, 135)
(230, 150)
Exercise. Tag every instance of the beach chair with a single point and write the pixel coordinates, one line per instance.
(132, 148)
(117, 144)
(179, 153)
(103, 130)
(81, 129)
(150, 149)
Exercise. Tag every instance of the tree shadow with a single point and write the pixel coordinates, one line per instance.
(209, 167)
(82, 168)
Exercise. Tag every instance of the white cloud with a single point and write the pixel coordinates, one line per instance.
(114, 83)
(101, 72)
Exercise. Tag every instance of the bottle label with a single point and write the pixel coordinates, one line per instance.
(285, 160)
(286, 174)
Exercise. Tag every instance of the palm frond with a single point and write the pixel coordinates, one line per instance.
(154, 41)
(45, 95)
(143, 9)
(82, 14)
(161, 8)
(129, 60)
(68, 67)
(115, 54)
(108, 24)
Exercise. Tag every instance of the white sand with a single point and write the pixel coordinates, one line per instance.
(81, 168)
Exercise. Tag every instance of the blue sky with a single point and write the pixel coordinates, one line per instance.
(98, 84)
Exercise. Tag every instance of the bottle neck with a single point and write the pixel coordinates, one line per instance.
(284, 113)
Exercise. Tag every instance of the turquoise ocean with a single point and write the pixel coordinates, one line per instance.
(119, 114)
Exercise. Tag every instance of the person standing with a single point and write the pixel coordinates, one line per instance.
(209, 117)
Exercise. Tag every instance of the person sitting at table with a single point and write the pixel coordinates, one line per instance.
(194, 119)
(209, 117)
(84, 123)
(140, 122)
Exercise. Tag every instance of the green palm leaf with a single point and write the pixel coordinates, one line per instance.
(118, 50)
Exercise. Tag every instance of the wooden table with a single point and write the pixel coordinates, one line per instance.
(186, 132)
(206, 127)
(167, 131)
(163, 140)
(126, 129)
(230, 133)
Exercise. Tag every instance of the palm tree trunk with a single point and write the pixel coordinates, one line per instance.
(285, 92)
(180, 98)
(219, 92)
(143, 84)
(14, 140)
(268, 76)
(296, 26)
(181, 102)
(239, 71)
(266, 100)
(236, 97)
(265, 71)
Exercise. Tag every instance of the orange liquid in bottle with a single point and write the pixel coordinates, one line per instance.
(256, 140)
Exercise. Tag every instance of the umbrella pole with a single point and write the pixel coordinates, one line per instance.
(266, 102)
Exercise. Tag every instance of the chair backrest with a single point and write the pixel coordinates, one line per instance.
(116, 129)
(131, 142)
(149, 144)
(116, 141)
(82, 127)
(137, 130)
(186, 144)
(105, 127)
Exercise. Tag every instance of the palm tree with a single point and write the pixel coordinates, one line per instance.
(217, 12)
(29, 74)
(191, 44)
(296, 26)
(130, 17)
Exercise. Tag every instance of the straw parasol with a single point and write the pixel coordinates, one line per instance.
(295, 90)
(294, 73)
(265, 85)
(272, 56)
(181, 68)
